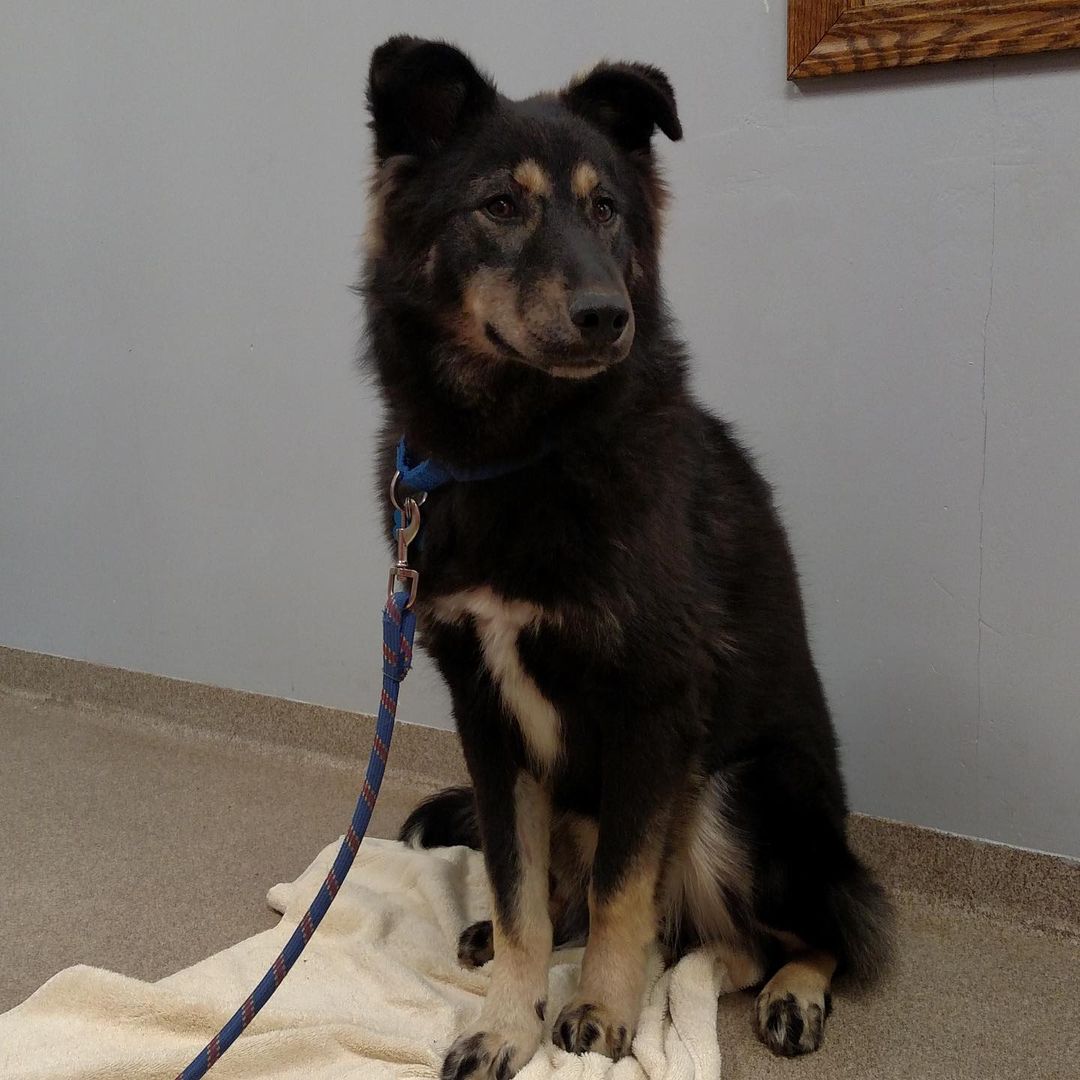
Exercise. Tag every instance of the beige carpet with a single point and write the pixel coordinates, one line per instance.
(143, 848)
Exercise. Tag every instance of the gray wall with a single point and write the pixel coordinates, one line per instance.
(879, 277)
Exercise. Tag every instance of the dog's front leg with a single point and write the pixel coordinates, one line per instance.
(515, 821)
(638, 782)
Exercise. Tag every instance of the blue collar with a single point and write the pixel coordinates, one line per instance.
(429, 475)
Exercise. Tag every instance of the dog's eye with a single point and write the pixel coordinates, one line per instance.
(603, 209)
(501, 208)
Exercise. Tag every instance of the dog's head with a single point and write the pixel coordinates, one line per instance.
(524, 232)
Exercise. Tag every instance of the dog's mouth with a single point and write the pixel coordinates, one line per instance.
(560, 361)
(500, 342)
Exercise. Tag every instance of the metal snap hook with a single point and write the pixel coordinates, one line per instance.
(409, 527)
(401, 573)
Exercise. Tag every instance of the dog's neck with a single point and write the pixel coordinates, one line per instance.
(507, 416)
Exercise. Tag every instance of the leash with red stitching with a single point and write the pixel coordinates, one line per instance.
(399, 627)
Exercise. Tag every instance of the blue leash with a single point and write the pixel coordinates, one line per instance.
(399, 626)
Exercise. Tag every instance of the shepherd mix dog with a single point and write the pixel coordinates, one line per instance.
(616, 611)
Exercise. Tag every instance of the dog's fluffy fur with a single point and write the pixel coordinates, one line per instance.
(619, 619)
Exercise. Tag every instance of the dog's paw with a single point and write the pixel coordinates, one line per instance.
(489, 1055)
(790, 1024)
(581, 1028)
(476, 946)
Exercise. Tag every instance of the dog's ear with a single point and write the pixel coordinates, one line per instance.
(627, 101)
(421, 94)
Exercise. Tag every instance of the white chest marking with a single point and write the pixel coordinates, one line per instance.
(498, 623)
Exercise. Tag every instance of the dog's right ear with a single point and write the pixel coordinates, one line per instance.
(628, 101)
(421, 94)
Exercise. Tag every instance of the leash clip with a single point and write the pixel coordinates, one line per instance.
(405, 534)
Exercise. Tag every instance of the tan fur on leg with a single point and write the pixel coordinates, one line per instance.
(523, 947)
(509, 1028)
(742, 969)
(622, 927)
(791, 1010)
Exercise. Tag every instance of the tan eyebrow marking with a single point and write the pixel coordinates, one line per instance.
(532, 178)
(584, 179)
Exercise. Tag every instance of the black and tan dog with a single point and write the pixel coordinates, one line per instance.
(617, 614)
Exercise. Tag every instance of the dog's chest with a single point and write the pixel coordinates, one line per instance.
(499, 624)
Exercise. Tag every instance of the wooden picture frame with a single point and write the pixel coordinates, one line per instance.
(831, 37)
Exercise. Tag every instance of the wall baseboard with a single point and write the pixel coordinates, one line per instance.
(1039, 890)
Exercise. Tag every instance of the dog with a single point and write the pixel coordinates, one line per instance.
(608, 591)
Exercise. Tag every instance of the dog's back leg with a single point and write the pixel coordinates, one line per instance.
(791, 1009)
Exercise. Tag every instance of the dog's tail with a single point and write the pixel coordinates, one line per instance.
(865, 921)
(445, 819)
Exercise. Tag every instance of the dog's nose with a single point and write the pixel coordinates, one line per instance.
(599, 317)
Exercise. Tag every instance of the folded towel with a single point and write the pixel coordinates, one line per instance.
(377, 994)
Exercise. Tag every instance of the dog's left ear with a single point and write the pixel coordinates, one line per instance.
(421, 94)
(627, 101)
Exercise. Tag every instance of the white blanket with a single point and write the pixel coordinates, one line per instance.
(378, 993)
